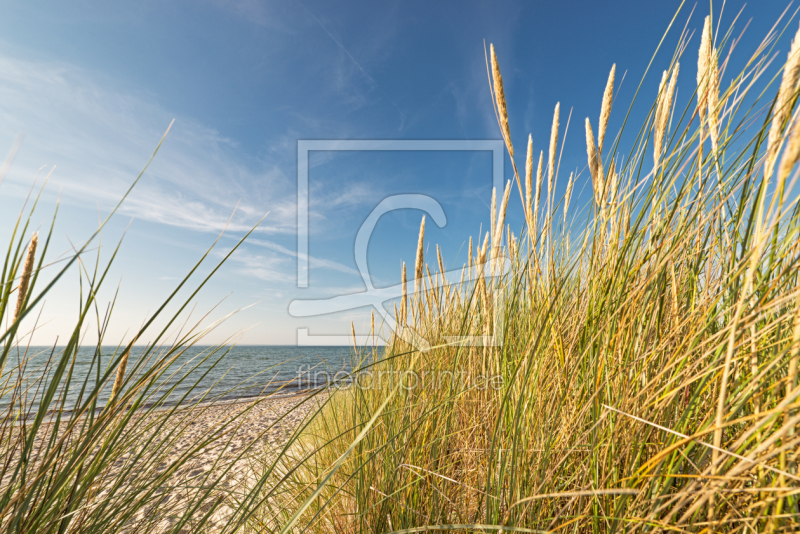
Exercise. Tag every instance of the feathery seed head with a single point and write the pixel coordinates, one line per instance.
(482, 253)
(703, 61)
(512, 246)
(551, 160)
(503, 205)
(529, 177)
(782, 109)
(713, 100)
(662, 91)
(500, 97)
(666, 93)
(791, 154)
(538, 187)
(673, 80)
(120, 377)
(613, 179)
(568, 196)
(498, 230)
(419, 260)
(605, 109)
(27, 270)
(591, 153)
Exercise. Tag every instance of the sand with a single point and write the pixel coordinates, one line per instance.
(248, 444)
(259, 432)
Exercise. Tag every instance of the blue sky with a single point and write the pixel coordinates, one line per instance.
(93, 85)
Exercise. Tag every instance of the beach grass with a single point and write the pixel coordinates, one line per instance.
(623, 366)
(635, 369)
(74, 458)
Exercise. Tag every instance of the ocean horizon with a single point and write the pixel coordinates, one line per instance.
(199, 373)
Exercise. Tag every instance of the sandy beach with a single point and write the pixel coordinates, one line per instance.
(263, 426)
(257, 428)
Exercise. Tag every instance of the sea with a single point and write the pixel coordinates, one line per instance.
(197, 374)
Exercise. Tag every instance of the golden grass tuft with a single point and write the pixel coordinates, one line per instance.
(418, 263)
(497, 231)
(605, 109)
(27, 271)
(500, 98)
(119, 379)
(713, 101)
(591, 154)
(624, 398)
(551, 156)
(785, 98)
(529, 181)
(703, 62)
(568, 196)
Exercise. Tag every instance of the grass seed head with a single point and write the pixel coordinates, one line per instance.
(792, 153)
(613, 180)
(551, 158)
(591, 153)
(500, 97)
(538, 187)
(673, 82)
(25, 280)
(783, 104)
(497, 237)
(703, 61)
(713, 100)
(529, 178)
(120, 378)
(419, 260)
(568, 196)
(659, 122)
(605, 109)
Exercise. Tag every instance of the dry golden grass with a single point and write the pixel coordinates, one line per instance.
(647, 381)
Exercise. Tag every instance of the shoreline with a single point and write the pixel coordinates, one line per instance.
(189, 403)
(247, 433)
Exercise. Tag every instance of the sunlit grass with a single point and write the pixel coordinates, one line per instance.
(73, 458)
(647, 375)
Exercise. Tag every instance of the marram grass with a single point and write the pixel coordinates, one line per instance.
(647, 376)
(115, 466)
(636, 370)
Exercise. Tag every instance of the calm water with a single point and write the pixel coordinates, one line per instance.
(244, 371)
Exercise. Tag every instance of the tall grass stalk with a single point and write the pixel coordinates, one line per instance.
(647, 380)
(80, 464)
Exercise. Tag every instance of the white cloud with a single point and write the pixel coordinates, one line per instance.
(100, 139)
(315, 263)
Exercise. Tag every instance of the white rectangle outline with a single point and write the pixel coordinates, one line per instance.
(304, 146)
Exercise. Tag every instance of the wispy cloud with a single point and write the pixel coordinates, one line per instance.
(314, 262)
(100, 139)
(338, 43)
